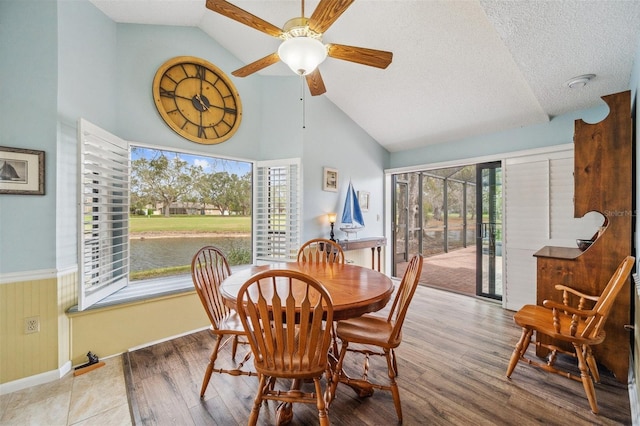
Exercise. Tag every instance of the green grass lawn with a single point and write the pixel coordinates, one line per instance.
(180, 223)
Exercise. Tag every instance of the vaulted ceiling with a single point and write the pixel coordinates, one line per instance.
(460, 68)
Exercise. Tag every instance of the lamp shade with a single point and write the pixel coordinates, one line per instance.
(331, 217)
(302, 54)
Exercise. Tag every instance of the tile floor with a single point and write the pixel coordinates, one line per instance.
(98, 397)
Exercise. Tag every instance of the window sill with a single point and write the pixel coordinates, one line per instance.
(144, 290)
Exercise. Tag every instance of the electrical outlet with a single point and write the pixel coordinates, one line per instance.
(31, 325)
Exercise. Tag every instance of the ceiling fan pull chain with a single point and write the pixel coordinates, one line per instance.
(302, 100)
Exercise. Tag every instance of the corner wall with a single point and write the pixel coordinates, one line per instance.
(21, 354)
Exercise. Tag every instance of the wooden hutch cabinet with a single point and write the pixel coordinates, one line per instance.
(603, 179)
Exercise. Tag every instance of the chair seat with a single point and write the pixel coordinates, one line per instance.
(230, 324)
(540, 319)
(368, 330)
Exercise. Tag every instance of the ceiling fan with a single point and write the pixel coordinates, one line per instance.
(302, 48)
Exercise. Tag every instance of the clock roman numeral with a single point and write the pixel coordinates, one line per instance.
(184, 70)
(201, 72)
(167, 93)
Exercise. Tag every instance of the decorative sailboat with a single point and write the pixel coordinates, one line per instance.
(352, 220)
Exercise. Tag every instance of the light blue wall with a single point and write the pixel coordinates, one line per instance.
(557, 131)
(28, 119)
(88, 67)
(87, 81)
(281, 133)
(333, 140)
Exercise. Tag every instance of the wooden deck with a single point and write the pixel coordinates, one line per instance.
(454, 271)
(452, 365)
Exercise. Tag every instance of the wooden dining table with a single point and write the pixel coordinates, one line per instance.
(354, 291)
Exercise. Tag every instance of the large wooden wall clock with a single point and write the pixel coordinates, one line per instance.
(197, 100)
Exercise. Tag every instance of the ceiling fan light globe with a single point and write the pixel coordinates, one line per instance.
(302, 54)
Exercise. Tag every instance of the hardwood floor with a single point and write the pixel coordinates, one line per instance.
(452, 364)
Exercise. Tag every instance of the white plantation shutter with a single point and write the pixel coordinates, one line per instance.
(277, 210)
(539, 191)
(104, 170)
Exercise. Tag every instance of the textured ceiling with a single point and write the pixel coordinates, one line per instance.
(460, 67)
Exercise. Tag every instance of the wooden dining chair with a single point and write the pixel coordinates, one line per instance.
(572, 322)
(209, 267)
(321, 250)
(286, 315)
(382, 333)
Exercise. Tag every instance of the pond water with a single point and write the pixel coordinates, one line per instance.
(151, 253)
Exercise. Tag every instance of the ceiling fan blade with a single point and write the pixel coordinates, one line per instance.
(257, 65)
(315, 83)
(326, 14)
(234, 12)
(360, 55)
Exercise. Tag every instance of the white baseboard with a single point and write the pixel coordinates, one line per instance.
(50, 376)
(634, 402)
(35, 380)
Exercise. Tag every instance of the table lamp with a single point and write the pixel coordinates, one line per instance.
(332, 221)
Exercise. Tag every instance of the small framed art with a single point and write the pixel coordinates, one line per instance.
(330, 179)
(21, 171)
(363, 199)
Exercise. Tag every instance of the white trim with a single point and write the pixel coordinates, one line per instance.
(635, 404)
(189, 152)
(478, 160)
(280, 162)
(50, 376)
(38, 379)
(41, 274)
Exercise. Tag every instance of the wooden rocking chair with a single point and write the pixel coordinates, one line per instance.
(577, 325)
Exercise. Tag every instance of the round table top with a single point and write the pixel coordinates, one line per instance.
(354, 290)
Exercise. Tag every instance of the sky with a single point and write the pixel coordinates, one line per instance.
(208, 164)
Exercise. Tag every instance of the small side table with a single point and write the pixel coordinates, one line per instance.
(375, 243)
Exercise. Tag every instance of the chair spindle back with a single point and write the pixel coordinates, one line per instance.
(287, 316)
(209, 268)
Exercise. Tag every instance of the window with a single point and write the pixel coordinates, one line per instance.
(277, 210)
(181, 202)
(144, 212)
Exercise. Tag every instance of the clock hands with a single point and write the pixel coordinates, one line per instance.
(201, 102)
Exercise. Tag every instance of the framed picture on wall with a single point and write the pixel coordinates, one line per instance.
(363, 199)
(21, 171)
(330, 179)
